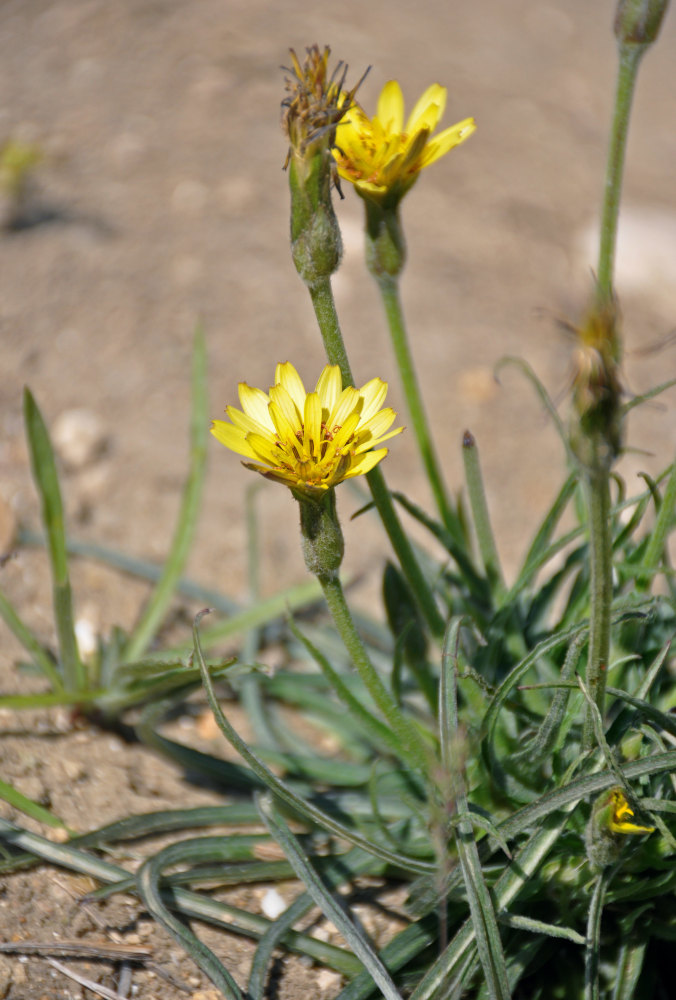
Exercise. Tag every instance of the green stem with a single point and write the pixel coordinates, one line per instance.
(600, 544)
(389, 290)
(630, 57)
(410, 743)
(327, 318)
(324, 305)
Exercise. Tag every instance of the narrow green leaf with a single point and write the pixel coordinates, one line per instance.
(487, 933)
(593, 949)
(480, 516)
(43, 466)
(352, 933)
(629, 967)
(148, 879)
(539, 927)
(526, 370)
(271, 940)
(542, 540)
(25, 805)
(666, 519)
(33, 647)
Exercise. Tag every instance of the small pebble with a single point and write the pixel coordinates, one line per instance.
(79, 438)
(272, 904)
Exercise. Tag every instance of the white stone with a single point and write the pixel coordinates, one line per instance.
(79, 438)
(272, 904)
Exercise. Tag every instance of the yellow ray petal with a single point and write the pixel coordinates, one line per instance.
(364, 463)
(390, 112)
(373, 394)
(232, 437)
(377, 425)
(313, 425)
(255, 404)
(245, 422)
(286, 431)
(263, 449)
(283, 401)
(348, 401)
(446, 140)
(374, 442)
(287, 376)
(428, 109)
(329, 388)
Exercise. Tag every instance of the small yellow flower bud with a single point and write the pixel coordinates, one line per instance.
(609, 821)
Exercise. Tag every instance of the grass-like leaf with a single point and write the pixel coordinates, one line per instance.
(43, 465)
(351, 931)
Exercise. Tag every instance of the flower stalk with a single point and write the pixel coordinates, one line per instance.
(385, 258)
(334, 345)
(597, 436)
(323, 550)
(629, 59)
(314, 108)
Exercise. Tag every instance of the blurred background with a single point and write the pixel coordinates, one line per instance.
(160, 201)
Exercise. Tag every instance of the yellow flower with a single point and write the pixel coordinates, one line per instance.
(381, 156)
(309, 441)
(622, 809)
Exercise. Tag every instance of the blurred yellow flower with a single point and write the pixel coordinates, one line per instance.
(309, 441)
(621, 809)
(382, 156)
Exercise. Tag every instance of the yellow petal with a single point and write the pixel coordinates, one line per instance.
(390, 111)
(286, 431)
(283, 401)
(232, 437)
(287, 376)
(428, 109)
(446, 140)
(377, 425)
(255, 404)
(342, 437)
(329, 388)
(243, 421)
(348, 402)
(364, 463)
(263, 449)
(374, 442)
(373, 394)
(313, 425)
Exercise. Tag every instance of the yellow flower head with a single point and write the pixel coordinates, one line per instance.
(382, 156)
(620, 811)
(309, 441)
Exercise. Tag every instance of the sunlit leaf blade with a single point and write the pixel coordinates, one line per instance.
(43, 466)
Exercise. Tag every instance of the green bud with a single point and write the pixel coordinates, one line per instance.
(323, 544)
(638, 22)
(385, 243)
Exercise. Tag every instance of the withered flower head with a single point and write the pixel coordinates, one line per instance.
(597, 386)
(315, 103)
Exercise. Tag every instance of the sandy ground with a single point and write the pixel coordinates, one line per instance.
(161, 202)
